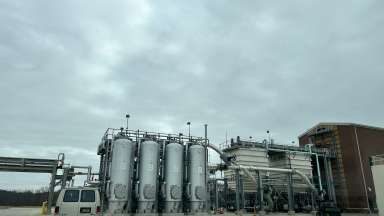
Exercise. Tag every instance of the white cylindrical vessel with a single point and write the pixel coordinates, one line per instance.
(173, 177)
(121, 171)
(196, 177)
(148, 177)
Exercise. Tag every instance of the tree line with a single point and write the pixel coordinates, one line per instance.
(23, 198)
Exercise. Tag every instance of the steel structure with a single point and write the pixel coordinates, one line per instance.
(34, 165)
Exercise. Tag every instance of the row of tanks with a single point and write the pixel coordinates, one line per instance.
(148, 175)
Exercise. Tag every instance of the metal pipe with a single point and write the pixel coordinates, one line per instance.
(293, 171)
(318, 171)
(317, 165)
(254, 168)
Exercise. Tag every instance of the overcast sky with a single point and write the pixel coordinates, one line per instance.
(70, 69)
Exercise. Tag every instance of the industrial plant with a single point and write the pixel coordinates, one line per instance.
(147, 173)
(151, 173)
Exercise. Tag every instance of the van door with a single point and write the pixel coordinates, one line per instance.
(87, 205)
(70, 201)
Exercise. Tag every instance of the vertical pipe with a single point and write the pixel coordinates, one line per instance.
(318, 171)
(328, 171)
(260, 190)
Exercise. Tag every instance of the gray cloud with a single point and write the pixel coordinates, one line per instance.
(71, 69)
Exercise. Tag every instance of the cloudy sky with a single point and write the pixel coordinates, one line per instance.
(70, 69)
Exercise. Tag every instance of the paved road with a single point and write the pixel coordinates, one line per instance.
(12, 211)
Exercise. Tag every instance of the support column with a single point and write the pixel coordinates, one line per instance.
(51, 190)
(291, 210)
(242, 200)
(313, 203)
(216, 197)
(237, 172)
(225, 194)
(260, 191)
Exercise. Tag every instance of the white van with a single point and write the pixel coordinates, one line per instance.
(79, 201)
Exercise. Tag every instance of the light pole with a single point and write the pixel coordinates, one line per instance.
(127, 117)
(189, 130)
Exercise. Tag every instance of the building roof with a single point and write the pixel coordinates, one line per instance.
(327, 124)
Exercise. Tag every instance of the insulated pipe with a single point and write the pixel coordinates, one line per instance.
(293, 171)
(246, 169)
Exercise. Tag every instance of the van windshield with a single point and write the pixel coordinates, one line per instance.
(87, 196)
(71, 196)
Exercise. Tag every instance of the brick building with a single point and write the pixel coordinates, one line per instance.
(353, 145)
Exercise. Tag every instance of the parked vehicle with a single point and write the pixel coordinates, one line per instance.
(78, 201)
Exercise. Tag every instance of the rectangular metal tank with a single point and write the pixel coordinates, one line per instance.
(290, 160)
(248, 157)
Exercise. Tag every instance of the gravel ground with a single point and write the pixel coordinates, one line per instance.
(19, 211)
(34, 211)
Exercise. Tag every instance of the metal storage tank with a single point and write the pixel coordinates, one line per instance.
(173, 177)
(148, 177)
(196, 177)
(121, 172)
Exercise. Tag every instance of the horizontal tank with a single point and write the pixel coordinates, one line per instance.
(121, 172)
(173, 177)
(196, 177)
(148, 177)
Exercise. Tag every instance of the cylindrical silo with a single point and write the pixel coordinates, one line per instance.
(121, 172)
(148, 177)
(173, 177)
(196, 177)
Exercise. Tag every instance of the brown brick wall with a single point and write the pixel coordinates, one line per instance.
(371, 142)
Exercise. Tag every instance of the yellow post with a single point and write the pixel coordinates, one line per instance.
(44, 208)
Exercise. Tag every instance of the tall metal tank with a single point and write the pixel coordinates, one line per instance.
(121, 172)
(196, 177)
(148, 177)
(173, 177)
